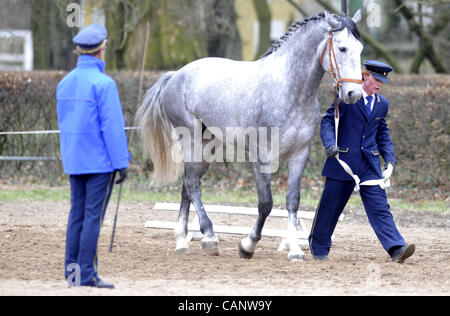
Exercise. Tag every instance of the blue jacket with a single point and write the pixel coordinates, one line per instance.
(90, 119)
(361, 140)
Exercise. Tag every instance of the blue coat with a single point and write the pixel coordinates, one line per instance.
(90, 119)
(361, 140)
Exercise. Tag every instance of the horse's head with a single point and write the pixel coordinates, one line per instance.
(341, 55)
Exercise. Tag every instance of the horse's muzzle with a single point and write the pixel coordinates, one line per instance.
(351, 96)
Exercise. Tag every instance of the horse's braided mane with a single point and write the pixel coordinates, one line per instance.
(346, 23)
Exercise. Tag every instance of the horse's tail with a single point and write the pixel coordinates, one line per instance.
(158, 134)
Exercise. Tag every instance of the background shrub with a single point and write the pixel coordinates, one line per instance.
(418, 120)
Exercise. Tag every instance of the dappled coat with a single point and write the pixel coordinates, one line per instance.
(90, 119)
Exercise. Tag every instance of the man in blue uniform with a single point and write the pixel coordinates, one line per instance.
(93, 148)
(363, 136)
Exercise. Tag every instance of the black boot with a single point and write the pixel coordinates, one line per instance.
(400, 254)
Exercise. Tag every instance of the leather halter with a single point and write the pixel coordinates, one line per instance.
(335, 73)
(332, 57)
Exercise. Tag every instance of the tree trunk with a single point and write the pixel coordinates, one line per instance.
(181, 32)
(264, 18)
(418, 59)
(115, 13)
(52, 38)
(173, 40)
(224, 39)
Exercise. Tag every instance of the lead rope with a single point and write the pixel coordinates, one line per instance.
(336, 129)
(383, 183)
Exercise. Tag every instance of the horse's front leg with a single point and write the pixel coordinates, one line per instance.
(247, 245)
(296, 166)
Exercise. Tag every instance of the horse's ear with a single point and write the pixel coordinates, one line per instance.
(332, 20)
(357, 17)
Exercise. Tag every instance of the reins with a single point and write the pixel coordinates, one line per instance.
(335, 73)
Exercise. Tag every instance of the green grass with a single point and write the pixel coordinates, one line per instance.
(438, 206)
(244, 197)
(24, 193)
(62, 193)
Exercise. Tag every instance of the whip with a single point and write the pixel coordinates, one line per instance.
(115, 219)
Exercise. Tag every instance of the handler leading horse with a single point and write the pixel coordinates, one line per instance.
(277, 91)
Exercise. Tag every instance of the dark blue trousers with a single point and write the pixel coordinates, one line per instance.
(89, 197)
(334, 198)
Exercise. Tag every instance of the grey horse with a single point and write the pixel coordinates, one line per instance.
(278, 91)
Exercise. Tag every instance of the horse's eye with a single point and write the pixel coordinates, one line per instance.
(343, 49)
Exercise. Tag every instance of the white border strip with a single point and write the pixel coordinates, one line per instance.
(49, 132)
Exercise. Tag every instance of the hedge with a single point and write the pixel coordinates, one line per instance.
(418, 120)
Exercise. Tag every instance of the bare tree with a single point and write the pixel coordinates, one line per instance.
(223, 36)
(379, 48)
(426, 48)
(53, 48)
(264, 18)
(181, 31)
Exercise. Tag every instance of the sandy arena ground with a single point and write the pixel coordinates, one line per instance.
(32, 245)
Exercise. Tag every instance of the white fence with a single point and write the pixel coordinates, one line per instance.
(194, 228)
(16, 158)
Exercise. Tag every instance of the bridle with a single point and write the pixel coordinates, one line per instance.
(335, 73)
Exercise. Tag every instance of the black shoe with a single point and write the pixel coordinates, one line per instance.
(321, 258)
(401, 254)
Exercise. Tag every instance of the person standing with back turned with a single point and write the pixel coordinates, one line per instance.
(363, 137)
(93, 148)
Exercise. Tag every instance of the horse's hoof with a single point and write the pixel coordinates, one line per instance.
(182, 246)
(296, 257)
(182, 251)
(244, 254)
(211, 246)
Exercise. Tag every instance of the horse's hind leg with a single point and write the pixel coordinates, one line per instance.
(247, 245)
(181, 230)
(194, 172)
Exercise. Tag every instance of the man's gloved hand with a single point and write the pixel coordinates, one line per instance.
(388, 169)
(123, 174)
(332, 151)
